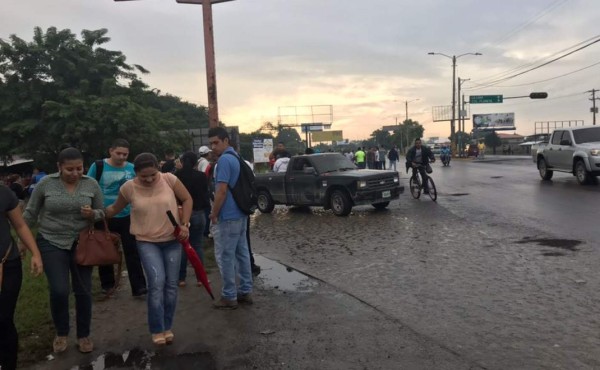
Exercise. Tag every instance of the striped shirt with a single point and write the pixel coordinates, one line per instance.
(58, 212)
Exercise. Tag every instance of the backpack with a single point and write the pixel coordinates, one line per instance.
(99, 169)
(244, 191)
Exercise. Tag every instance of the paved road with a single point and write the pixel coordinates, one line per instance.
(501, 270)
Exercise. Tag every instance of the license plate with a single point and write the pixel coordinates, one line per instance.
(386, 194)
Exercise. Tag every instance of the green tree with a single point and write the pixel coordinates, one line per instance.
(492, 140)
(463, 138)
(291, 139)
(406, 134)
(58, 91)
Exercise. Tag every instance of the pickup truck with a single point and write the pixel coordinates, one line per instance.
(574, 150)
(329, 180)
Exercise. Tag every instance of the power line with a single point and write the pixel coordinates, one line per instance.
(493, 83)
(550, 79)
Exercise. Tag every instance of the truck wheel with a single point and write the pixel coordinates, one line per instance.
(265, 202)
(545, 173)
(382, 205)
(340, 203)
(583, 176)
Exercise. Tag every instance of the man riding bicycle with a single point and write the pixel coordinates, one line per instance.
(418, 157)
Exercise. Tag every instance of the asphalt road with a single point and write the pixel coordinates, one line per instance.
(501, 270)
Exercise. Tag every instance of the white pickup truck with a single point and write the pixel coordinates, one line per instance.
(574, 150)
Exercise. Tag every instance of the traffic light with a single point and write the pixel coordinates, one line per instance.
(538, 95)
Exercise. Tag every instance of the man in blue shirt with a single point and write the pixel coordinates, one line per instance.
(114, 172)
(228, 226)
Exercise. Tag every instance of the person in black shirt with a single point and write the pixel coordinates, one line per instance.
(169, 165)
(196, 184)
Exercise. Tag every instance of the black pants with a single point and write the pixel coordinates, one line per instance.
(248, 240)
(424, 177)
(9, 339)
(135, 272)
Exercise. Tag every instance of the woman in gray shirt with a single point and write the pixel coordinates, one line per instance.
(62, 205)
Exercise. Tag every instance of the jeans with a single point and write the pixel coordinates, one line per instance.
(197, 225)
(233, 257)
(58, 263)
(9, 339)
(393, 165)
(161, 261)
(135, 272)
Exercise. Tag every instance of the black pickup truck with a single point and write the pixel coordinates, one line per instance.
(329, 180)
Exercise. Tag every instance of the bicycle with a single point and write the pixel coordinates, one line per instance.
(416, 184)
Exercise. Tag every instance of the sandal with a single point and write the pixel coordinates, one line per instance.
(159, 339)
(169, 336)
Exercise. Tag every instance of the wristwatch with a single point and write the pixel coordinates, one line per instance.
(187, 224)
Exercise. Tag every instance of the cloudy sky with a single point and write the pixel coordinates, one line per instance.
(364, 58)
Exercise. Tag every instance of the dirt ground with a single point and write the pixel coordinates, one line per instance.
(295, 323)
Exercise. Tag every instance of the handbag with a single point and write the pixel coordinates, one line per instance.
(428, 168)
(98, 247)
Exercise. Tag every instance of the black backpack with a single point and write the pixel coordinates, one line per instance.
(244, 190)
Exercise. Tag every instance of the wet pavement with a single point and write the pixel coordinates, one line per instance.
(501, 270)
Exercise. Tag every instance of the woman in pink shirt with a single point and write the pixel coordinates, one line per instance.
(151, 194)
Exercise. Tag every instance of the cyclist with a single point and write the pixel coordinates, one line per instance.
(445, 154)
(418, 157)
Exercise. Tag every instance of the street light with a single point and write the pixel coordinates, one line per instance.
(453, 58)
(406, 106)
(209, 55)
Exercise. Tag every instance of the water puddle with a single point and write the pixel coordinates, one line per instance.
(274, 275)
(567, 244)
(147, 360)
(458, 194)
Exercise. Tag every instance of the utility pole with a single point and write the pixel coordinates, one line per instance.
(460, 116)
(594, 109)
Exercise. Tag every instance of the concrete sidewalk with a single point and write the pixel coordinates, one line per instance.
(295, 323)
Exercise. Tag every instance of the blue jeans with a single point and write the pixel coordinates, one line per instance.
(393, 164)
(233, 257)
(161, 262)
(58, 264)
(197, 224)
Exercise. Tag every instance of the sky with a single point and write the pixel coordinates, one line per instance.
(356, 63)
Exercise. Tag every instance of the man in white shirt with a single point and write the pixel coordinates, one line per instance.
(281, 164)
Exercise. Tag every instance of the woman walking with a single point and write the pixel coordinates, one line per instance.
(65, 203)
(196, 184)
(151, 194)
(11, 273)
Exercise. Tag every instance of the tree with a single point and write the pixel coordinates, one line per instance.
(492, 140)
(463, 138)
(291, 139)
(58, 91)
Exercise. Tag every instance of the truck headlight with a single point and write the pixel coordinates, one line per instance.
(595, 152)
(396, 179)
(362, 184)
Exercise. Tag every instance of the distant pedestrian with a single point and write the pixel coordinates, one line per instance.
(371, 158)
(360, 158)
(228, 226)
(393, 157)
(168, 165)
(203, 161)
(281, 164)
(382, 154)
(36, 177)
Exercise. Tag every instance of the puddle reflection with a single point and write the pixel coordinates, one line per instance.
(277, 276)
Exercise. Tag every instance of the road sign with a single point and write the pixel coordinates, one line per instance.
(485, 99)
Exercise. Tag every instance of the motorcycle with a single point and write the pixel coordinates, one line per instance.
(445, 159)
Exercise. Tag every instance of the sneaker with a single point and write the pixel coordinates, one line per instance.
(225, 304)
(60, 344)
(245, 298)
(140, 293)
(85, 345)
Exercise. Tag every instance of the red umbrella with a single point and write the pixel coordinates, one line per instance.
(192, 257)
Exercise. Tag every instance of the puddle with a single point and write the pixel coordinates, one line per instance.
(496, 177)
(458, 194)
(277, 276)
(141, 359)
(553, 254)
(568, 244)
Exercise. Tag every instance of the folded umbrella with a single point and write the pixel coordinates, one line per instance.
(192, 257)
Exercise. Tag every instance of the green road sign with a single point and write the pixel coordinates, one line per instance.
(485, 99)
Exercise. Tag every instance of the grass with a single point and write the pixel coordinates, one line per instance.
(32, 316)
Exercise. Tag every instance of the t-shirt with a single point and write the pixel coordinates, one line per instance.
(111, 181)
(360, 156)
(281, 164)
(196, 184)
(228, 171)
(8, 202)
(418, 156)
(149, 206)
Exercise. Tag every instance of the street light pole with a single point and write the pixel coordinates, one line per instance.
(461, 118)
(406, 107)
(452, 127)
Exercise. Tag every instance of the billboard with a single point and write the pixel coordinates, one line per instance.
(261, 148)
(320, 136)
(494, 121)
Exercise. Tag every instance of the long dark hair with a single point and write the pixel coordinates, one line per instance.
(188, 161)
(144, 160)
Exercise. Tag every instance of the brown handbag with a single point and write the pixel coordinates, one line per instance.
(98, 247)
